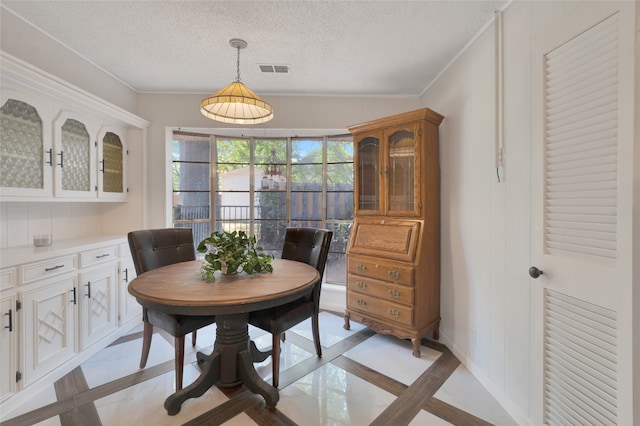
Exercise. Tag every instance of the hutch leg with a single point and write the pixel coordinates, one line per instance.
(347, 326)
(416, 346)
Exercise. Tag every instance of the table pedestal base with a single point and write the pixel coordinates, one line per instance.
(230, 364)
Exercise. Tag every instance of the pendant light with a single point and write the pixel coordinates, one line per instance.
(236, 103)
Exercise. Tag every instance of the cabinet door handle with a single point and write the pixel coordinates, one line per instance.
(61, 159)
(394, 274)
(394, 293)
(88, 285)
(361, 302)
(10, 326)
(53, 268)
(394, 313)
(126, 275)
(102, 163)
(360, 284)
(50, 162)
(100, 256)
(73, 291)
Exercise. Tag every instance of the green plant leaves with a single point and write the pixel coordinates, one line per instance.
(232, 252)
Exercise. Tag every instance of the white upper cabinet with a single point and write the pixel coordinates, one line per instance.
(58, 142)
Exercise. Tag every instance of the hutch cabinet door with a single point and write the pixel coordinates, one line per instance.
(128, 307)
(402, 170)
(75, 157)
(50, 317)
(112, 168)
(368, 173)
(26, 154)
(8, 347)
(98, 313)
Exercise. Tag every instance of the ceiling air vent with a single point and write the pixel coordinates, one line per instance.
(278, 69)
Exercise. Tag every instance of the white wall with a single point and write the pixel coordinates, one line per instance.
(486, 236)
(31, 45)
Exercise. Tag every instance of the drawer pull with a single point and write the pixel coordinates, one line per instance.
(394, 313)
(361, 267)
(73, 291)
(88, 285)
(360, 284)
(361, 302)
(394, 293)
(102, 255)
(54, 268)
(394, 274)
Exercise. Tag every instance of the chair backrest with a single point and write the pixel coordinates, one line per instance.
(311, 246)
(153, 248)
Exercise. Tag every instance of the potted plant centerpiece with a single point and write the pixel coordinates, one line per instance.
(232, 252)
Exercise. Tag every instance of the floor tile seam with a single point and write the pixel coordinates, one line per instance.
(366, 373)
(413, 400)
(61, 405)
(453, 414)
(238, 402)
(330, 353)
(98, 392)
(71, 385)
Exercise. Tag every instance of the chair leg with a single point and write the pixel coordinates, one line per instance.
(194, 334)
(179, 348)
(146, 343)
(316, 334)
(275, 360)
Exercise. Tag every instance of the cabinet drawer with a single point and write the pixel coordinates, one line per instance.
(384, 290)
(8, 278)
(381, 270)
(48, 268)
(102, 254)
(370, 305)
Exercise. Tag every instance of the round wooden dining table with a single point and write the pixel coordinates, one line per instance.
(179, 289)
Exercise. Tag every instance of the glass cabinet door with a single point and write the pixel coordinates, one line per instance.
(74, 158)
(368, 185)
(402, 185)
(111, 163)
(25, 154)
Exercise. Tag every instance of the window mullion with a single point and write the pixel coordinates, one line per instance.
(252, 202)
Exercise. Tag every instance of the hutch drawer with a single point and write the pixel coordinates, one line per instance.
(381, 289)
(387, 271)
(389, 311)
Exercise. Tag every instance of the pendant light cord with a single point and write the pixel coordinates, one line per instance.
(238, 65)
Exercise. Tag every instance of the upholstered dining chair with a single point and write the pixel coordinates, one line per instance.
(152, 249)
(311, 246)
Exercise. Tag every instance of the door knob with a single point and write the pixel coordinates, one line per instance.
(534, 272)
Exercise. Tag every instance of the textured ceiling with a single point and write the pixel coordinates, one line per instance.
(350, 48)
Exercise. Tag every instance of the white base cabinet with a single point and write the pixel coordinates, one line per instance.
(59, 306)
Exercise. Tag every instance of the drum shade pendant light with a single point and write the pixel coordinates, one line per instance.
(236, 103)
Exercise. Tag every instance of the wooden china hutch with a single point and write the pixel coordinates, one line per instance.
(393, 258)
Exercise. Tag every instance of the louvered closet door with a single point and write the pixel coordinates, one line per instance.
(582, 207)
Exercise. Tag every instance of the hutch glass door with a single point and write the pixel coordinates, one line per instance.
(368, 175)
(402, 183)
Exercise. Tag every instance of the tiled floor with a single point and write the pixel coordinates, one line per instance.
(363, 378)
